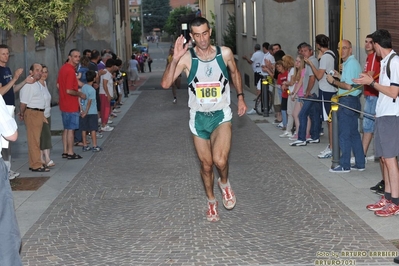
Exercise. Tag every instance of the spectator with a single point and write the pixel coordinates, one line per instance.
(32, 112)
(106, 94)
(281, 78)
(288, 86)
(349, 136)
(45, 137)
(326, 90)
(149, 62)
(10, 244)
(134, 69)
(176, 84)
(88, 116)
(69, 104)
(256, 63)
(8, 90)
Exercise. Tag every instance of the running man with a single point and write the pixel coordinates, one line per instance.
(209, 102)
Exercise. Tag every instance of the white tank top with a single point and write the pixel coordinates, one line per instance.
(208, 83)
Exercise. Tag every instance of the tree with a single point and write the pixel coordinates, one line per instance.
(60, 17)
(136, 31)
(159, 10)
(172, 25)
(229, 37)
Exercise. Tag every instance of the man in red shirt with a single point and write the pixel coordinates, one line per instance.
(69, 102)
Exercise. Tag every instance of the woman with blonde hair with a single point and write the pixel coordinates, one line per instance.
(297, 93)
(288, 63)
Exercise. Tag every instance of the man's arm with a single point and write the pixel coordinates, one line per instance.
(247, 59)
(318, 73)
(4, 89)
(366, 79)
(76, 93)
(175, 67)
(311, 82)
(22, 109)
(236, 78)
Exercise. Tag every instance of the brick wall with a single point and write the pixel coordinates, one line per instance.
(388, 18)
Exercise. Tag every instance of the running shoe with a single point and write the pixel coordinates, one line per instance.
(298, 143)
(107, 128)
(286, 134)
(229, 198)
(12, 175)
(379, 205)
(327, 153)
(310, 140)
(389, 210)
(174, 100)
(251, 112)
(96, 149)
(212, 214)
(355, 168)
(380, 185)
(86, 148)
(339, 169)
(293, 137)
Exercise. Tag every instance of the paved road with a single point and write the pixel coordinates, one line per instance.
(141, 200)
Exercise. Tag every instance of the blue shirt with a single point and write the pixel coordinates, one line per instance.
(5, 78)
(351, 70)
(90, 95)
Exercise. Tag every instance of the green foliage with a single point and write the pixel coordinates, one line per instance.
(213, 27)
(159, 10)
(172, 24)
(136, 31)
(229, 37)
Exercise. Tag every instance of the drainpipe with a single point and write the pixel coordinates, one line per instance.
(313, 24)
(357, 30)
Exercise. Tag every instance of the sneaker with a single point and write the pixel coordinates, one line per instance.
(99, 135)
(293, 137)
(325, 155)
(355, 168)
(379, 185)
(379, 205)
(276, 122)
(86, 148)
(339, 169)
(310, 140)
(286, 134)
(96, 149)
(380, 191)
(298, 143)
(326, 149)
(114, 115)
(389, 210)
(99, 120)
(174, 100)
(116, 111)
(110, 122)
(371, 158)
(12, 175)
(229, 198)
(251, 112)
(280, 125)
(107, 128)
(321, 132)
(212, 214)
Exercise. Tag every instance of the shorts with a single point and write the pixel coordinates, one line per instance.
(89, 122)
(70, 120)
(325, 106)
(369, 108)
(386, 137)
(45, 137)
(202, 124)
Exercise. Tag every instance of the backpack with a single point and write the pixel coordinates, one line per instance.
(335, 59)
(388, 65)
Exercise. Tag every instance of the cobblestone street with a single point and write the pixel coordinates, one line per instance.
(141, 202)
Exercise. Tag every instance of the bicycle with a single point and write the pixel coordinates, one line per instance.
(259, 102)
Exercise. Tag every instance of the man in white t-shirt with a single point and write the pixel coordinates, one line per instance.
(326, 90)
(106, 94)
(386, 137)
(256, 63)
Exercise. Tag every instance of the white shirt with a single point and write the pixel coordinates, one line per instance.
(47, 100)
(386, 106)
(110, 84)
(8, 126)
(268, 56)
(32, 95)
(257, 61)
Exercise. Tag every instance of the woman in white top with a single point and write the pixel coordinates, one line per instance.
(45, 137)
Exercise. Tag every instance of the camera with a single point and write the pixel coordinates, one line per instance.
(331, 72)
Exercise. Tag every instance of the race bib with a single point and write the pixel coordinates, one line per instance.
(208, 92)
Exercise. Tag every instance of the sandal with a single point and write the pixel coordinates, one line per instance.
(50, 163)
(74, 156)
(41, 169)
(64, 155)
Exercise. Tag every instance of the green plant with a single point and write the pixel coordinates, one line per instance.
(229, 36)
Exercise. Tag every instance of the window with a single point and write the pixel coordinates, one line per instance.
(244, 17)
(254, 17)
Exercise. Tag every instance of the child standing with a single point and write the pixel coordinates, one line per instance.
(88, 115)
